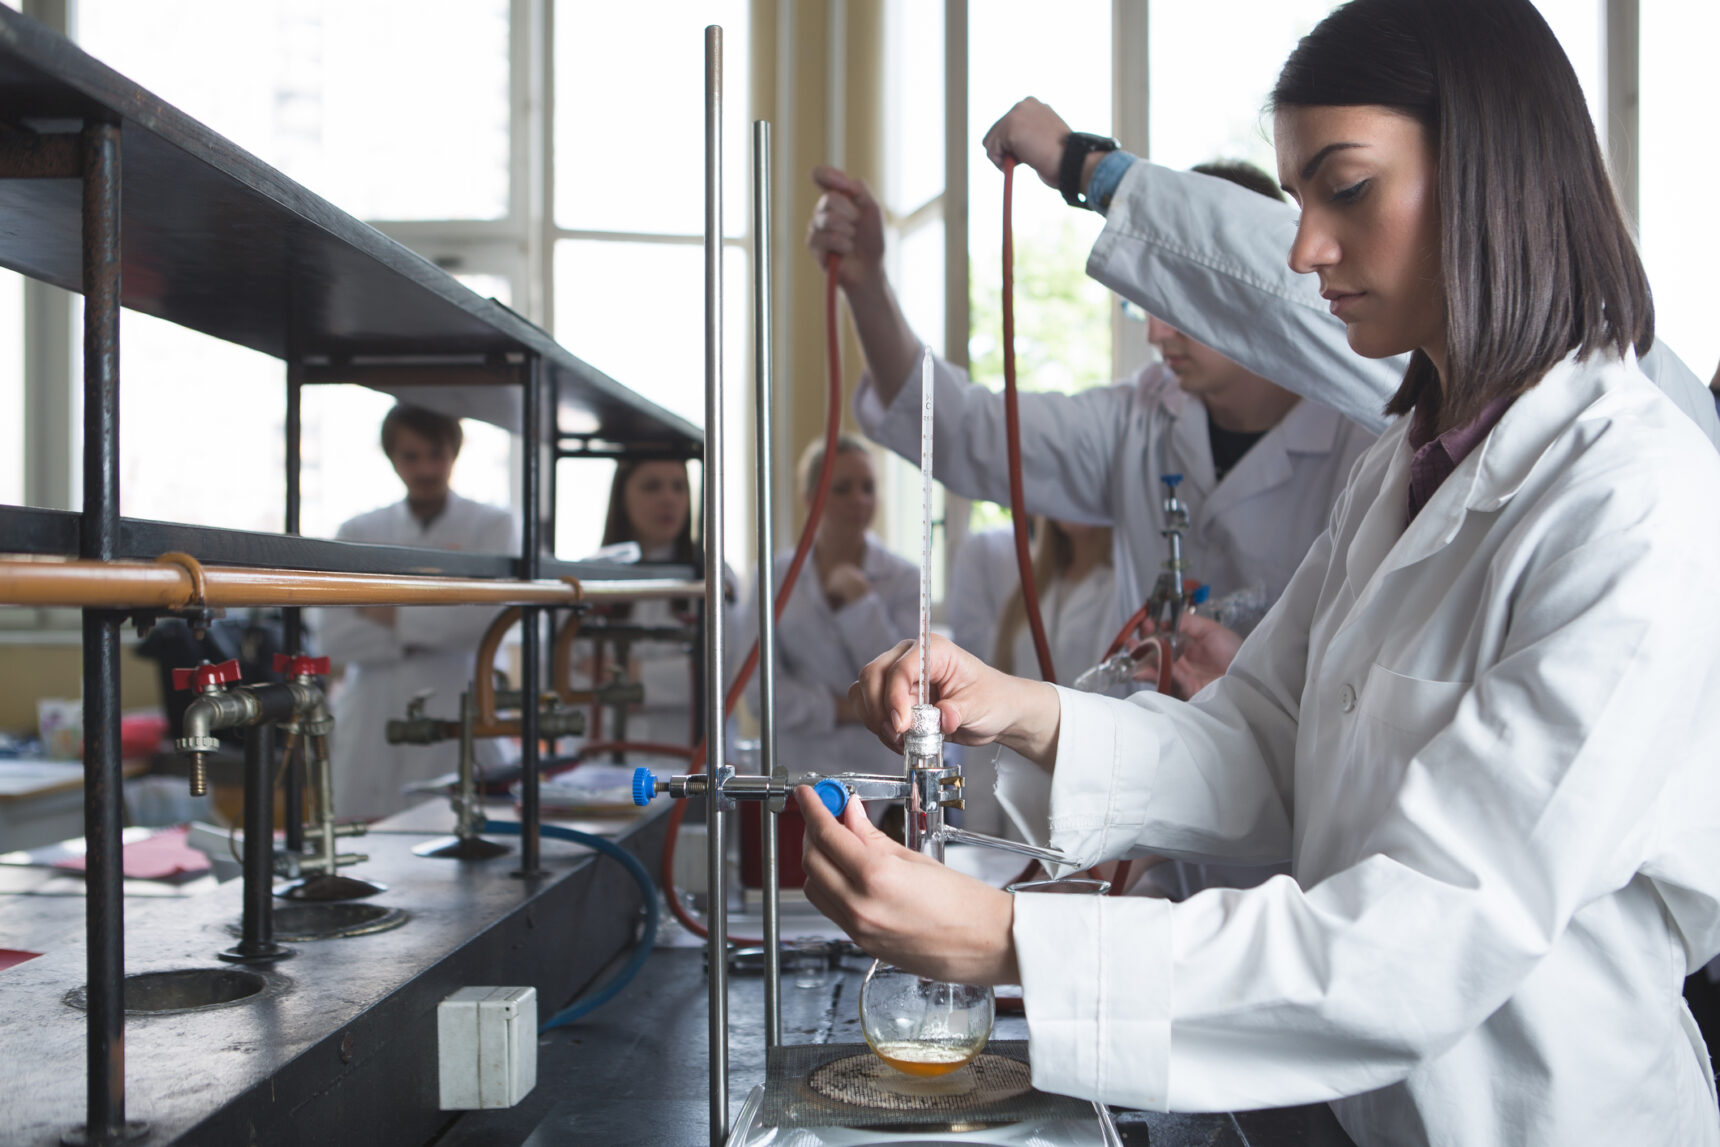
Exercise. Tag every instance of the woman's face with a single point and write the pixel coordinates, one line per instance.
(655, 501)
(853, 494)
(1367, 181)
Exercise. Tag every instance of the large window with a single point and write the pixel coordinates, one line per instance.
(11, 389)
(629, 160)
(1680, 170)
(391, 109)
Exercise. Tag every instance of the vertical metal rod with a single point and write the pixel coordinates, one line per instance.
(105, 905)
(292, 618)
(766, 577)
(715, 857)
(554, 510)
(257, 920)
(531, 626)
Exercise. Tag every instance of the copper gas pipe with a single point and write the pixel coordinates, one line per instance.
(151, 585)
(488, 723)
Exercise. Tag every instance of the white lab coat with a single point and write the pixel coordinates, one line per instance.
(819, 654)
(983, 575)
(1079, 627)
(1076, 616)
(1212, 259)
(1097, 457)
(428, 647)
(1486, 743)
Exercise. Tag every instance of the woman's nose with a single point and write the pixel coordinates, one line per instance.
(1314, 247)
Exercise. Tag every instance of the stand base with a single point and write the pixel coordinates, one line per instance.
(269, 955)
(325, 887)
(461, 848)
(134, 1131)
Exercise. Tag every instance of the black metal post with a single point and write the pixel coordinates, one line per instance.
(292, 618)
(257, 926)
(105, 903)
(554, 516)
(531, 433)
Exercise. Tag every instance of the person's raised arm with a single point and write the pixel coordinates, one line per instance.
(1034, 134)
(848, 222)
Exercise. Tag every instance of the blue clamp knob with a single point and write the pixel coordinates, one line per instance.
(833, 793)
(644, 786)
(1200, 594)
(1171, 480)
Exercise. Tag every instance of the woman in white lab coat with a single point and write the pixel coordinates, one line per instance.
(853, 600)
(650, 505)
(1479, 722)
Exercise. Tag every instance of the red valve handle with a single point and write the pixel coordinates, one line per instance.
(202, 676)
(290, 665)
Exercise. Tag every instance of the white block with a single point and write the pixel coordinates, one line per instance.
(487, 1047)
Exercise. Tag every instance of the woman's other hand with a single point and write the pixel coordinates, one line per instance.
(845, 584)
(978, 704)
(903, 907)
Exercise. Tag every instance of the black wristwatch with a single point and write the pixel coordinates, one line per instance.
(1076, 149)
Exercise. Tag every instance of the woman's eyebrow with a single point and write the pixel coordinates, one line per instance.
(1313, 165)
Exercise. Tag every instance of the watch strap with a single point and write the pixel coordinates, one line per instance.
(1076, 148)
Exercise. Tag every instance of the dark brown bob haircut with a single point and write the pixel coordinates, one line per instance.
(427, 424)
(1536, 259)
(617, 528)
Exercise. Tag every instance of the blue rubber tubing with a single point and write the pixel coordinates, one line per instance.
(647, 889)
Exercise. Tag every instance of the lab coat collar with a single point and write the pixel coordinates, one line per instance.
(1306, 428)
(1508, 455)
(1483, 482)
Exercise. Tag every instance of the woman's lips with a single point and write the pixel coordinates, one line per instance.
(1341, 302)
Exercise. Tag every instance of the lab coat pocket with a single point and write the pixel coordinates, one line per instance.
(1414, 706)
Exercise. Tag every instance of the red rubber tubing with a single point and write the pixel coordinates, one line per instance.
(1012, 437)
(808, 532)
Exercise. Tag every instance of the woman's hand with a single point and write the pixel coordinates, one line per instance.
(848, 222)
(979, 704)
(901, 906)
(845, 584)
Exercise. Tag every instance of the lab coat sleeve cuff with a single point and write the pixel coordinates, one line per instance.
(1024, 794)
(1099, 794)
(896, 427)
(1096, 983)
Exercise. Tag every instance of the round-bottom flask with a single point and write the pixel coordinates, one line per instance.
(923, 1027)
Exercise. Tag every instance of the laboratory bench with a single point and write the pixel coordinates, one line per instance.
(634, 1071)
(339, 1044)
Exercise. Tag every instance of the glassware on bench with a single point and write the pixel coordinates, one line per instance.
(923, 1027)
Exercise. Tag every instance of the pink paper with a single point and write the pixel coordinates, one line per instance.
(162, 856)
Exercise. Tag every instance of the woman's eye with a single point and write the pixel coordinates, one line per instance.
(1351, 193)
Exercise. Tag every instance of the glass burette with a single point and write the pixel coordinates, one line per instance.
(919, 1026)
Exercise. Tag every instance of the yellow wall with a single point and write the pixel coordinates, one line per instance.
(29, 672)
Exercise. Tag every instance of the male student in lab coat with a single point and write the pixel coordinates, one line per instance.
(393, 653)
(1200, 254)
(1260, 468)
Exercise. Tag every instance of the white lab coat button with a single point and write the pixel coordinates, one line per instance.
(1346, 698)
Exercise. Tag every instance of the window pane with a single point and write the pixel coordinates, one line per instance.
(914, 93)
(1209, 103)
(1063, 336)
(392, 109)
(1680, 167)
(630, 115)
(343, 471)
(11, 388)
(201, 420)
(636, 311)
